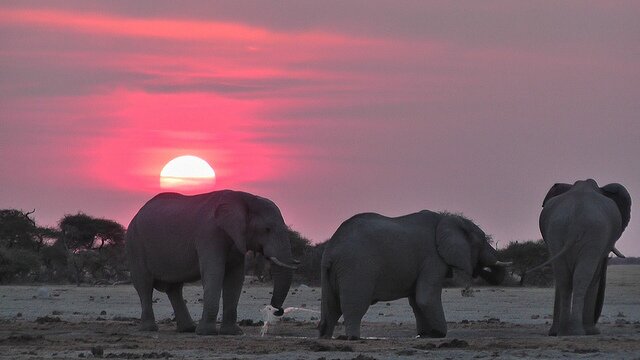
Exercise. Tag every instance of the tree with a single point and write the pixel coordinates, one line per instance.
(18, 230)
(94, 246)
(526, 255)
(21, 241)
(82, 231)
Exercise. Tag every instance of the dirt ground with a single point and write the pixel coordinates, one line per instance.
(63, 322)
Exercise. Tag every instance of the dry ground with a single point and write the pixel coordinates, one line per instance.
(55, 322)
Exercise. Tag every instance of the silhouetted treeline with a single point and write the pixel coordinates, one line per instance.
(80, 249)
(84, 249)
(624, 261)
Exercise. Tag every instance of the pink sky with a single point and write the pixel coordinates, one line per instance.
(329, 108)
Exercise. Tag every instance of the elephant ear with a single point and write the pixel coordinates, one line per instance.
(452, 244)
(231, 217)
(556, 189)
(620, 195)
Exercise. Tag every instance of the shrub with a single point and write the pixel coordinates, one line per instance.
(17, 264)
(527, 255)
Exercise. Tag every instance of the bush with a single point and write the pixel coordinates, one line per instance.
(527, 255)
(309, 269)
(18, 264)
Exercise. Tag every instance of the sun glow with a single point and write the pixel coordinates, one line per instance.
(187, 173)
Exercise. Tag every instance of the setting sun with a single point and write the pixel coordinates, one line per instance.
(187, 173)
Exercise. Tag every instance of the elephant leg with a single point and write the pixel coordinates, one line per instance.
(562, 301)
(421, 322)
(590, 302)
(355, 299)
(143, 283)
(329, 316)
(427, 304)
(212, 271)
(231, 289)
(601, 291)
(583, 276)
(330, 310)
(428, 300)
(183, 318)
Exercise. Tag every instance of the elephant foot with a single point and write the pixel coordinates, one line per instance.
(188, 327)
(148, 326)
(232, 329)
(591, 330)
(206, 328)
(553, 331)
(348, 337)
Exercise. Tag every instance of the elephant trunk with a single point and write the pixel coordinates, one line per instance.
(494, 275)
(283, 265)
(282, 277)
(489, 268)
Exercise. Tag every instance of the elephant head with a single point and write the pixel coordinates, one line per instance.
(255, 223)
(464, 246)
(614, 191)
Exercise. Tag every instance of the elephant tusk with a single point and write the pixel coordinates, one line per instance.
(280, 263)
(296, 261)
(617, 252)
(503, 263)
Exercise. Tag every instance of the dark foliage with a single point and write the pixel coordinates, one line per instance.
(17, 264)
(95, 248)
(18, 230)
(82, 249)
(309, 270)
(82, 231)
(527, 255)
(301, 248)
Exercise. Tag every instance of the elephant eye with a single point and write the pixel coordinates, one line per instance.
(267, 230)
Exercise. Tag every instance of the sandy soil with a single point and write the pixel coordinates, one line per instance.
(56, 322)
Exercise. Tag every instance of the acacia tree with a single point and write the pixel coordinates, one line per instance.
(93, 245)
(82, 231)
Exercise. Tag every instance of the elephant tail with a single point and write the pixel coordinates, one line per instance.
(330, 305)
(567, 246)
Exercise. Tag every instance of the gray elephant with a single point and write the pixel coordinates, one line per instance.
(374, 258)
(580, 224)
(175, 239)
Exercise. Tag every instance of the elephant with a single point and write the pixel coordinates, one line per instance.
(373, 258)
(175, 239)
(580, 224)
